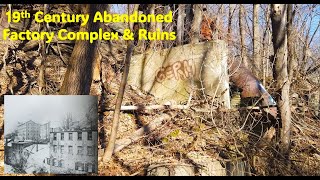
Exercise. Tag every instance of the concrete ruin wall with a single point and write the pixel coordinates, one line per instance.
(170, 74)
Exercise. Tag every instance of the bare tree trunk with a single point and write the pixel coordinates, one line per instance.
(168, 27)
(279, 34)
(306, 47)
(196, 23)
(152, 27)
(242, 36)
(180, 24)
(42, 69)
(78, 77)
(266, 46)
(219, 24)
(4, 17)
(97, 60)
(231, 11)
(159, 10)
(115, 123)
(135, 8)
(291, 55)
(256, 42)
(187, 22)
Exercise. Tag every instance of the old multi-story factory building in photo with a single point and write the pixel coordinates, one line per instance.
(29, 131)
(45, 132)
(52, 134)
(73, 151)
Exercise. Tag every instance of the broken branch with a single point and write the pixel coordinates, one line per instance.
(141, 107)
(115, 123)
(122, 143)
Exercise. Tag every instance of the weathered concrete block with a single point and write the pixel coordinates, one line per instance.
(207, 165)
(158, 171)
(173, 170)
(171, 73)
(236, 168)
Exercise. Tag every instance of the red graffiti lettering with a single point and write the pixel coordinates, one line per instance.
(179, 70)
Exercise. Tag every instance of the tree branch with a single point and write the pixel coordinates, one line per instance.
(115, 123)
(122, 143)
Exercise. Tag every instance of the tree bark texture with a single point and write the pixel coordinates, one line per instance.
(242, 37)
(115, 123)
(279, 38)
(257, 60)
(78, 77)
(196, 23)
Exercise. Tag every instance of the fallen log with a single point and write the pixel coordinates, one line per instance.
(122, 143)
(149, 107)
(181, 107)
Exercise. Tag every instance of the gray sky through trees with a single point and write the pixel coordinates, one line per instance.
(43, 109)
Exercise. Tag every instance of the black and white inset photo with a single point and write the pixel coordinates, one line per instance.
(55, 134)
